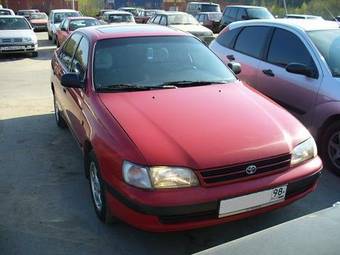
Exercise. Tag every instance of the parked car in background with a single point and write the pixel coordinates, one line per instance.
(118, 17)
(207, 163)
(194, 8)
(297, 64)
(101, 13)
(55, 18)
(133, 10)
(5, 11)
(68, 25)
(337, 18)
(27, 13)
(210, 20)
(234, 13)
(302, 16)
(185, 22)
(145, 15)
(17, 36)
(39, 21)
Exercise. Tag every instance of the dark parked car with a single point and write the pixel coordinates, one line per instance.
(210, 20)
(234, 13)
(297, 64)
(153, 111)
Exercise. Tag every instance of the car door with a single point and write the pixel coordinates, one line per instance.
(76, 95)
(248, 51)
(295, 92)
(62, 66)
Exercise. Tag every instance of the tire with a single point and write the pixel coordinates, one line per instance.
(98, 191)
(34, 54)
(57, 115)
(49, 36)
(330, 147)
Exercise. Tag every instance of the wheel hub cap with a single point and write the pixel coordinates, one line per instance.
(334, 149)
(95, 186)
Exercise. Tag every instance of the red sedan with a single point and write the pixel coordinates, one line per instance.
(72, 23)
(171, 139)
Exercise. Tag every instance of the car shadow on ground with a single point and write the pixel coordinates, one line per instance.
(47, 195)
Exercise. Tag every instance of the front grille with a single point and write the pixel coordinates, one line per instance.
(212, 176)
(17, 40)
(6, 40)
(11, 40)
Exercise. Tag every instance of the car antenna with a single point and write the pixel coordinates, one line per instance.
(333, 17)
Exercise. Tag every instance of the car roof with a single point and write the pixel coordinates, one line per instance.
(118, 12)
(12, 16)
(300, 24)
(203, 3)
(6, 9)
(63, 10)
(80, 17)
(245, 6)
(120, 30)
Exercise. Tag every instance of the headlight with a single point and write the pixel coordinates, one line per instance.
(304, 151)
(158, 177)
(27, 40)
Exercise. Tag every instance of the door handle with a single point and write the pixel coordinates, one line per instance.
(231, 57)
(268, 72)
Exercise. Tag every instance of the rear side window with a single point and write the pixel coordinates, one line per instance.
(242, 14)
(246, 44)
(227, 38)
(68, 50)
(287, 48)
(157, 19)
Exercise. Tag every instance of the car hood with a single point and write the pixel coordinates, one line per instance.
(193, 29)
(204, 127)
(17, 33)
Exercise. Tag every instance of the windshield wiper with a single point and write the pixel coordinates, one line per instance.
(133, 87)
(192, 83)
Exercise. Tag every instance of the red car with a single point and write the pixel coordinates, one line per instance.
(171, 139)
(68, 25)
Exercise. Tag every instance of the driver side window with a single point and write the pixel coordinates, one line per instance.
(80, 61)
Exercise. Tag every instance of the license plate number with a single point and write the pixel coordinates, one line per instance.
(12, 48)
(252, 201)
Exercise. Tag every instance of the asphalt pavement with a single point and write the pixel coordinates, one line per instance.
(45, 205)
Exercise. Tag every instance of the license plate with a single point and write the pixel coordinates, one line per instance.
(252, 201)
(13, 48)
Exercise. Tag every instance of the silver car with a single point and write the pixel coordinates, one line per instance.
(17, 36)
(55, 18)
(297, 64)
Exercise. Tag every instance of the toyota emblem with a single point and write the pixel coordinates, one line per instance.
(251, 169)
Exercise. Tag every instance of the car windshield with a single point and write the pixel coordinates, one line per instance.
(182, 19)
(13, 24)
(210, 8)
(38, 16)
(156, 61)
(5, 12)
(328, 43)
(259, 13)
(58, 17)
(215, 16)
(79, 23)
(118, 18)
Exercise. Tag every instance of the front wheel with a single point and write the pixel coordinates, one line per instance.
(330, 148)
(97, 189)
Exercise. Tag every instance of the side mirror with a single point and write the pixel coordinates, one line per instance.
(301, 69)
(71, 80)
(235, 67)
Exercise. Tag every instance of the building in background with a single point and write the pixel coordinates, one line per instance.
(42, 5)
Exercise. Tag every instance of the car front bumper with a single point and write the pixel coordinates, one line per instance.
(197, 207)
(18, 48)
